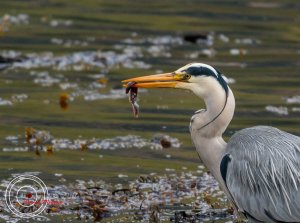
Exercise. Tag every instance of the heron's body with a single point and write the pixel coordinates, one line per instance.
(260, 159)
(259, 168)
(268, 164)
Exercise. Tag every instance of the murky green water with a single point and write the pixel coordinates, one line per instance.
(85, 48)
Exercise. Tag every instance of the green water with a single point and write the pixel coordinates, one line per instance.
(272, 72)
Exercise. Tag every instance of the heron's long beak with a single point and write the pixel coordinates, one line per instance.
(166, 80)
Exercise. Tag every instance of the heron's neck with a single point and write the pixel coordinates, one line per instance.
(208, 139)
(214, 120)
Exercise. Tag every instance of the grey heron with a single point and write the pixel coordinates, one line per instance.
(259, 167)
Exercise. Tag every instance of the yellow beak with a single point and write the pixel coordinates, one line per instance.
(166, 80)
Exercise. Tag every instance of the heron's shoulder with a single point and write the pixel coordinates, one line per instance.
(266, 140)
(259, 130)
(263, 137)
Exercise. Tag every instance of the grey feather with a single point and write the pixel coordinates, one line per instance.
(264, 173)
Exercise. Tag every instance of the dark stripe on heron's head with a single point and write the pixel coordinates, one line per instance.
(200, 71)
(205, 71)
(222, 82)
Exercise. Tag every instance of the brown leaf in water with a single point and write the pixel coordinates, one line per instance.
(102, 80)
(83, 147)
(29, 132)
(63, 101)
(98, 212)
(49, 149)
(207, 198)
(165, 143)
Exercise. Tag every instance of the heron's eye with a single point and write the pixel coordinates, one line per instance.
(186, 76)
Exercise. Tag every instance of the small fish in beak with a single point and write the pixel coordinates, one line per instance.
(166, 80)
(133, 98)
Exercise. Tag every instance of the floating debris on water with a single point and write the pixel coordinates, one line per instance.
(159, 51)
(40, 140)
(200, 38)
(69, 43)
(34, 173)
(92, 95)
(132, 141)
(19, 97)
(295, 109)
(44, 79)
(4, 102)
(60, 22)
(12, 139)
(15, 98)
(166, 141)
(15, 149)
(67, 85)
(183, 194)
(293, 100)
(208, 52)
(58, 174)
(102, 81)
(11, 54)
(238, 52)
(278, 110)
(122, 176)
(165, 40)
(63, 101)
(201, 53)
(224, 38)
(20, 19)
(230, 64)
(8, 57)
(247, 41)
(156, 40)
(77, 61)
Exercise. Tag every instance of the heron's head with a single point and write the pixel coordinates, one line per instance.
(197, 77)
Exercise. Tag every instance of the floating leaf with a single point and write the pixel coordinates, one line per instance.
(63, 101)
(103, 80)
(49, 149)
(29, 132)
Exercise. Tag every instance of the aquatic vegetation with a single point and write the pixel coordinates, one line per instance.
(40, 140)
(141, 198)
